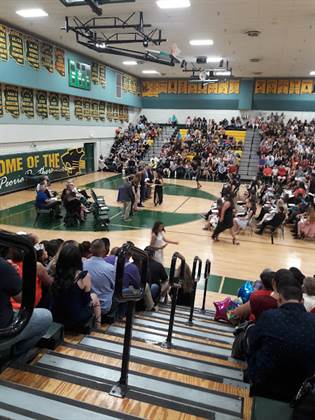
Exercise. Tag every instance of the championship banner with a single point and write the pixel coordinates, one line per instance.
(121, 113)
(65, 107)
(234, 87)
(192, 88)
(16, 46)
(78, 108)
(223, 87)
(271, 87)
(87, 109)
(47, 58)
(260, 86)
(155, 87)
(53, 105)
(283, 87)
(101, 110)
(306, 87)
(22, 170)
(41, 104)
(4, 43)
(1, 103)
(94, 110)
(172, 86)
(295, 87)
(32, 52)
(124, 83)
(162, 86)
(102, 75)
(213, 88)
(145, 88)
(182, 87)
(27, 102)
(115, 112)
(109, 111)
(125, 113)
(11, 100)
(60, 65)
(94, 74)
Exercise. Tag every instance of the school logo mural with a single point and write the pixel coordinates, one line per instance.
(24, 170)
(73, 161)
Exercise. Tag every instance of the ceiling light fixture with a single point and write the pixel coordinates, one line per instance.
(214, 59)
(312, 73)
(173, 4)
(201, 42)
(31, 13)
(223, 73)
(130, 63)
(150, 72)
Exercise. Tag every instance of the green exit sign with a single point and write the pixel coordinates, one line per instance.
(79, 75)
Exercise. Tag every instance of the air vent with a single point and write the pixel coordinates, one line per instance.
(257, 73)
(252, 33)
(255, 60)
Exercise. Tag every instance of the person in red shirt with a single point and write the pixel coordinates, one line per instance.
(267, 172)
(260, 300)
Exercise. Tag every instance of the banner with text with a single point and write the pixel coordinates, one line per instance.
(26, 169)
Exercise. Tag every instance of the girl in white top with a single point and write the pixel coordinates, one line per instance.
(158, 241)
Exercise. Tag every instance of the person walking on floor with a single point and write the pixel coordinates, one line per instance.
(226, 219)
(126, 196)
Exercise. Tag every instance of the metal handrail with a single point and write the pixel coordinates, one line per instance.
(206, 276)
(174, 287)
(12, 240)
(197, 263)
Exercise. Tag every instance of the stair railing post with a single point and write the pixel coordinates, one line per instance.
(120, 388)
(206, 276)
(174, 288)
(196, 278)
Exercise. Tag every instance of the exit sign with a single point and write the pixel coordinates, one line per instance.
(79, 75)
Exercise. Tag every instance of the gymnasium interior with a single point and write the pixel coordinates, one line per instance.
(157, 209)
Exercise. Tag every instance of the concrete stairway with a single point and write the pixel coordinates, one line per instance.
(155, 149)
(250, 159)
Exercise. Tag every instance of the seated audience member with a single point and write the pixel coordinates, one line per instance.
(43, 202)
(306, 225)
(297, 274)
(45, 279)
(106, 243)
(73, 303)
(158, 276)
(102, 275)
(275, 222)
(41, 319)
(85, 248)
(281, 344)
(309, 294)
(260, 300)
(184, 292)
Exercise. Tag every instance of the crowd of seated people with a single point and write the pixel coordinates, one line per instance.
(287, 173)
(129, 147)
(205, 148)
(74, 285)
(278, 343)
(203, 124)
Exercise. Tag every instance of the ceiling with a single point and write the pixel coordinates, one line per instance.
(285, 47)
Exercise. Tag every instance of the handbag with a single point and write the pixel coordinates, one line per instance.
(304, 401)
(239, 347)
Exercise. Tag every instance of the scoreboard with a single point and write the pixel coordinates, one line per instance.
(79, 74)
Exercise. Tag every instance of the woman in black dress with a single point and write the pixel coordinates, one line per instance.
(226, 219)
(158, 190)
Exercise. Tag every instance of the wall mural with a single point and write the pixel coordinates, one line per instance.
(16, 101)
(284, 86)
(151, 88)
(21, 170)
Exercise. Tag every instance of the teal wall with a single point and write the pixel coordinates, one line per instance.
(25, 75)
(284, 102)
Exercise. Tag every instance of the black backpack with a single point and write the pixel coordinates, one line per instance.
(304, 402)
